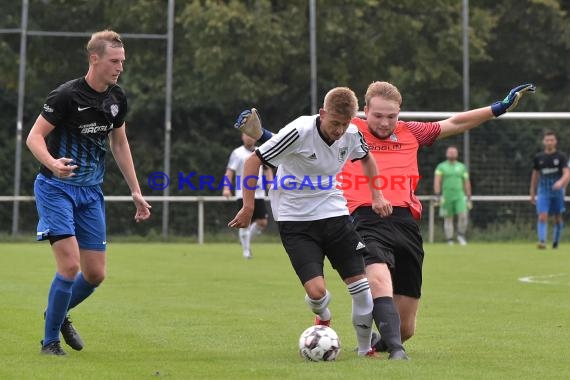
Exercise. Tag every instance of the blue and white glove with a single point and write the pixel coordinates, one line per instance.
(512, 99)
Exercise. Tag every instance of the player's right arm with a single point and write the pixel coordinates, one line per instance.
(37, 144)
(230, 177)
(437, 179)
(250, 173)
(533, 183)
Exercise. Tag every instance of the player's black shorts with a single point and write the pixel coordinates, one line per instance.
(308, 242)
(396, 241)
(259, 209)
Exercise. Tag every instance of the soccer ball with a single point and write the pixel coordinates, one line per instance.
(319, 343)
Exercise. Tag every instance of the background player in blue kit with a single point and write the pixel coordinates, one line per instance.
(551, 174)
(69, 140)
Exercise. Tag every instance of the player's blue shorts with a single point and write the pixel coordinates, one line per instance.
(551, 202)
(66, 209)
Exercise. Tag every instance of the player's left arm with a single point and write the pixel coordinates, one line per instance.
(250, 174)
(122, 152)
(464, 121)
(564, 180)
(380, 204)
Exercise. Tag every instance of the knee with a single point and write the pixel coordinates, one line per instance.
(261, 223)
(380, 286)
(95, 278)
(316, 292)
(543, 217)
(69, 270)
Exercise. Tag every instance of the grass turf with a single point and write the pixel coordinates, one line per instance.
(182, 311)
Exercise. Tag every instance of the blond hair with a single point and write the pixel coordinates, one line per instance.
(100, 40)
(342, 101)
(383, 89)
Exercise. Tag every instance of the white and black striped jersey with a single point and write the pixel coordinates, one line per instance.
(305, 186)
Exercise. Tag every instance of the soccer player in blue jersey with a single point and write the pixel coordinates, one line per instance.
(547, 187)
(69, 140)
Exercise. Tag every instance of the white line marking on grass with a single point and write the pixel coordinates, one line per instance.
(549, 279)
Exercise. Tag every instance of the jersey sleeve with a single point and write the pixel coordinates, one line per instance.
(233, 162)
(425, 133)
(535, 165)
(564, 161)
(274, 151)
(57, 106)
(438, 170)
(360, 149)
(465, 173)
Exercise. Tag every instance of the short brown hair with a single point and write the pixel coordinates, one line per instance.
(100, 40)
(341, 100)
(549, 132)
(383, 89)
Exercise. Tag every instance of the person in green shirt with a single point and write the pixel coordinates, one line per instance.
(452, 187)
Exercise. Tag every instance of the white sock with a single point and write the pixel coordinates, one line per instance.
(448, 227)
(362, 320)
(244, 238)
(320, 306)
(254, 230)
(462, 223)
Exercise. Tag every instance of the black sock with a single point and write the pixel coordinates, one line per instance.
(388, 322)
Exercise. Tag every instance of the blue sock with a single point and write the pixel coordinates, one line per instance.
(58, 299)
(81, 289)
(265, 136)
(541, 228)
(557, 232)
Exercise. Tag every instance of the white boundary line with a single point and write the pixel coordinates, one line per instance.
(544, 279)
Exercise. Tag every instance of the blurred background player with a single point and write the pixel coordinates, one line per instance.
(452, 187)
(313, 221)
(550, 175)
(235, 168)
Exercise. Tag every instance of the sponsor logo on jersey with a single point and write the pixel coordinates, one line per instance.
(94, 128)
(360, 246)
(549, 170)
(83, 108)
(384, 147)
(313, 156)
(48, 108)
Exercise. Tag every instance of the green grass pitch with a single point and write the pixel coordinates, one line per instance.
(182, 311)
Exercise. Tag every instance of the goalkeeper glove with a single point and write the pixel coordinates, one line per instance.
(512, 99)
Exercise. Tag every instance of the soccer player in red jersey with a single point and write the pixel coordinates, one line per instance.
(395, 253)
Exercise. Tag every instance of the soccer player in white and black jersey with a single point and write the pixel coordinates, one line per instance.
(310, 209)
